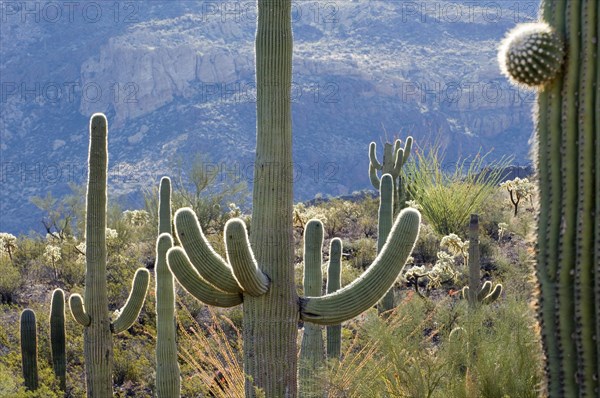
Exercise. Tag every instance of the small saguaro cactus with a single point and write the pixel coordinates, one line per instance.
(58, 337)
(29, 349)
(567, 150)
(168, 380)
(312, 350)
(394, 157)
(334, 283)
(472, 292)
(91, 311)
(385, 219)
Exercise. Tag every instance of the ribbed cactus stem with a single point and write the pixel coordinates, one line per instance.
(92, 310)
(29, 349)
(385, 221)
(131, 310)
(364, 291)
(58, 337)
(568, 165)
(312, 351)
(394, 157)
(334, 283)
(98, 348)
(168, 379)
(474, 263)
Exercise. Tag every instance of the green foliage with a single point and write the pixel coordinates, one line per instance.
(447, 198)
(10, 282)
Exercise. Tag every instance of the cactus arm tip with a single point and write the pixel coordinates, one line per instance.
(374, 283)
(135, 301)
(192, 281)
(78, 310)
(242, 261)
(209, 264)
(373, 157)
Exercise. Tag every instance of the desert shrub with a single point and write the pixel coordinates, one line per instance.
(10, 281)
(448, 198)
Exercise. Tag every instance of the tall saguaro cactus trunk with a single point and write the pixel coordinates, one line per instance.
(58, 337)
(168, 380)
(271, 320)
(92, 310)
(29, 349)
(559, 57)
(260, 272)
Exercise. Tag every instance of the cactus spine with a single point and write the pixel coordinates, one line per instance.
(567, 121)
(58, 338)
(92, 310)
(260, 273)
(312, 351)
(29, 349)
(334, 283)
(472, 292)
(168, 383)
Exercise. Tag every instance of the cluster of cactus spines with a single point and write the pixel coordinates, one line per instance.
(260, 273)
(473, 293)
(92, 310)
(29, 349)
(334, 283)
(168, 380)
(385, 219)
(567, 121)
(531, 54)
(312, 349)
(58, 337)
(394, 157)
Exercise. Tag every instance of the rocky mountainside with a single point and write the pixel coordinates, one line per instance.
(176, 78)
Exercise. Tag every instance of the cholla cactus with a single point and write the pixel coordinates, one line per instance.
(455, 246)
(136, 218)
(52, 254)
(8, 243)
(502, 228)
(518, 189)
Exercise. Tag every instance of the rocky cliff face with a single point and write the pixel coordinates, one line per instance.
(177, 78)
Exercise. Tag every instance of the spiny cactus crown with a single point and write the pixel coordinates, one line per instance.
(531, 54)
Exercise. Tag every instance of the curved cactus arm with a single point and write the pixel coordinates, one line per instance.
(372, 285)
(493, 296)
(78, 310)
(407, 148)
(57, 337)
(398, 162)
(133, 306)
(240, 257)
(190, 279)
(373, 156)
(373, 176)
(485, 290)
(207, 262)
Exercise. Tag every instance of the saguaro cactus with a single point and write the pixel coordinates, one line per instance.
(260, 273)
(92, 310)
(473, 293)
(334, 283)
(385, 219)
(567, 122)
(29, 349)
(58, 337)
(312, 350)
(394, 157)
(168, 381)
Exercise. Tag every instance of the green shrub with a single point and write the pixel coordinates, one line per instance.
(448, 198)
(10, 280)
